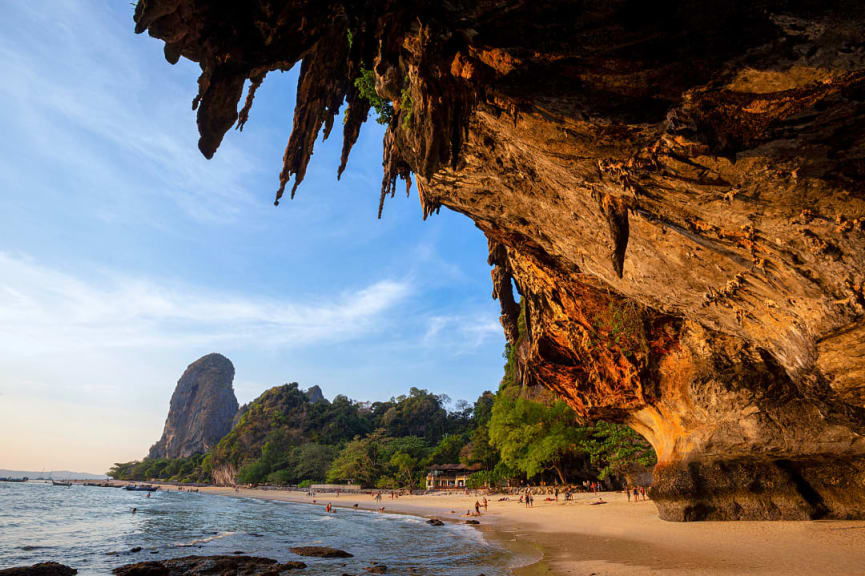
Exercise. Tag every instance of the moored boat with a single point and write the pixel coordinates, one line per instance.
(141, 488)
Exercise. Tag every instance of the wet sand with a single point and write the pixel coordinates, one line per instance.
(625, 538)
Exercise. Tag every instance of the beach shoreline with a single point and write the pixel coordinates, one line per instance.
(619, 538)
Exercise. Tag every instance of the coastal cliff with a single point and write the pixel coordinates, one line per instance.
(202, 409)
(675, 189)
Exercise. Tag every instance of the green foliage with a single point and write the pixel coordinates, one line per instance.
(419, 414)
(531, 436)
(621, 324)
(406, 106)
(447, 451)
(615, 449)
(192, 469)
(365, 85)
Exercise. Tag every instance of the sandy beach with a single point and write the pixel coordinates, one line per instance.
(624, 538)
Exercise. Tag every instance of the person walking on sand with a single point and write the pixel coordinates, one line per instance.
(643, 492)
(485, 503)
(528, 497)
(636, 494)
(557, 493)
(477, 508)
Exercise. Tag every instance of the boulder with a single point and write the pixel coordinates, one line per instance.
(41, 569)
(320, 552)
(435, 522)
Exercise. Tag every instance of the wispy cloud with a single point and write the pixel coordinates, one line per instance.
(461, 333)
(42, 309)
(77, 102)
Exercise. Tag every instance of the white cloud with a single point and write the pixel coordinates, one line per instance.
(44, 309)
(462, 333)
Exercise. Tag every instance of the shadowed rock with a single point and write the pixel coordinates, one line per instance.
(210, 566)
(42, 569)
(320, 552)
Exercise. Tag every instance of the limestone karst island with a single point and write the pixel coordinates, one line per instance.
(617, 328)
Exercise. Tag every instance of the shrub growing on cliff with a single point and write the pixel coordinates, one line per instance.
(365, 84)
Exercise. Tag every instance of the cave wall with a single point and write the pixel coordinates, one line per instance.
(675, 189)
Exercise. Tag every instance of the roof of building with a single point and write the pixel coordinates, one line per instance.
(454, 468)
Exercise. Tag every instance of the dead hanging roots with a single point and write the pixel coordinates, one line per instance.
(428, 108)
(393, 167)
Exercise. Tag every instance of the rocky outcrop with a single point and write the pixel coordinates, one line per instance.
(210, 566)
(42, 569)
(202, 409)
(676, 190)
(315, 395)
(320, 552)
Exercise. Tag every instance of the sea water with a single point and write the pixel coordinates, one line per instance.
(94, 530)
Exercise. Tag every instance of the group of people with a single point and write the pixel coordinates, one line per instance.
(637, 491)
(527, 498)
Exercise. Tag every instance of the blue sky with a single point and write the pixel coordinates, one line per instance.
(125, 255)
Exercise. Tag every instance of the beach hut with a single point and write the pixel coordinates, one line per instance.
(449, 476)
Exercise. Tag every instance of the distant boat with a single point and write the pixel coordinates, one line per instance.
(141, 488)
(25, 479)
(56, 483)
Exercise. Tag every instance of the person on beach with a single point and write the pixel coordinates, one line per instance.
(485, 503)
(527, 498)
(557, 493)
(636, 494)
(477, 508)
(643, 492)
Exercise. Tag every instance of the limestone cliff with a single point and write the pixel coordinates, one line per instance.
(202, 409)
(675, 188)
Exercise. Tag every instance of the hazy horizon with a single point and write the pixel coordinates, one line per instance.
(125, 255)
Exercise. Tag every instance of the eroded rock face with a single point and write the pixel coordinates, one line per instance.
(676, 189)
(202, 409)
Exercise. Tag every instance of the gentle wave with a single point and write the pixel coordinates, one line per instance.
(219, 536)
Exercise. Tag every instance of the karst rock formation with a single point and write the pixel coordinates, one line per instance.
(202, 409)
(675, 189)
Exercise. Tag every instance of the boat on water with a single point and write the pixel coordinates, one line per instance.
(141, 488)
(25, 479)
(56, 483)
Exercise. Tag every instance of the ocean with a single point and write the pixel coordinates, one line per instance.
(93, 529)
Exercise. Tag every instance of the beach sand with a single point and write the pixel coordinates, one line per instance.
(624, 538)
